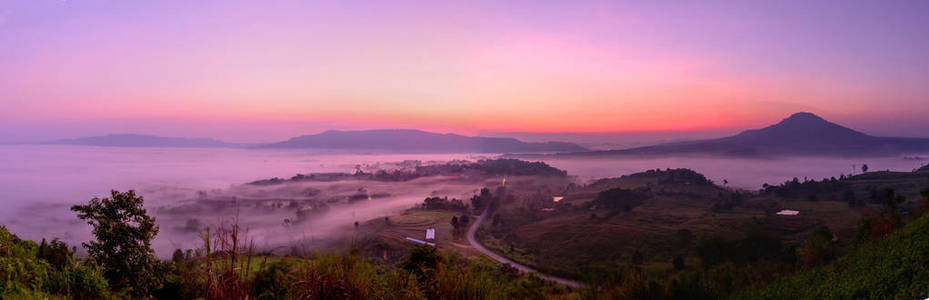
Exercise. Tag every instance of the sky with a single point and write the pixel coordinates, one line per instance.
(258, 71)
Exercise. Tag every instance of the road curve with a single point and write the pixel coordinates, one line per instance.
(504, 260)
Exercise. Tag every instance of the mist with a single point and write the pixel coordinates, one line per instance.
(741, 173)
(189, 189)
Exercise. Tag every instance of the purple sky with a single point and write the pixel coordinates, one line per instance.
(268, 70)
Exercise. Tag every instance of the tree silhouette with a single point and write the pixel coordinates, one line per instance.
(124, 233)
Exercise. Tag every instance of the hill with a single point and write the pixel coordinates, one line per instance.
(484, 167)
(894, 267)
(417, 141)
(140, 140)
(800, 134)
(923, 169)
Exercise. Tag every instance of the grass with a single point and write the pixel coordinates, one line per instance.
(894, 267)
(390, 235)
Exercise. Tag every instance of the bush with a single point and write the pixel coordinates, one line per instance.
(25, 274)
(274, 281)
(893, 267)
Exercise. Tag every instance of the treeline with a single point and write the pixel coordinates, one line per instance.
(807, 187)
(442, 203)
(502, 166)
(619, 199)
(679, 176)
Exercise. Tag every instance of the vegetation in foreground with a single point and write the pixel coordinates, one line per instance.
(893, 267)
(122, 266)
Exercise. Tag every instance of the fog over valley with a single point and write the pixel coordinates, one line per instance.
(187, 189)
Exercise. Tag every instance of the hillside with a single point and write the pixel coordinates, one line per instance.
(923, 169)
(894, 267)
(417, 141)
(800, 134)
(141, 140)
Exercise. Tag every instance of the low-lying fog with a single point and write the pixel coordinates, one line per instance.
(189, 188)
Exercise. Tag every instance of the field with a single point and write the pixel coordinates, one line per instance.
(386, 238)
(577, 240)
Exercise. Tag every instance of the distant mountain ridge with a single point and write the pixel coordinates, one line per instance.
(382, 140)
(802, 133)
(417, 141)
(142, 140)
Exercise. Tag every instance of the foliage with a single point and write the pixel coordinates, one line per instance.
(442, 203)
(819, 248)
(675, 176)
(806, 188)
(55, 253)
(924, 201)
(124, 233)
(757, 245)
(483, 200)
(24, 274)
(620, 199)
(500, 166)
(894, 267)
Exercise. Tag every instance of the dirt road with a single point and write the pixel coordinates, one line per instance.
(504, 260)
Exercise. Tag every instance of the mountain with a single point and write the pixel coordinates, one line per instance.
(800, 134)
(140, 140)
(417, 141)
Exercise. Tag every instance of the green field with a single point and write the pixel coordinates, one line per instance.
(576, 240)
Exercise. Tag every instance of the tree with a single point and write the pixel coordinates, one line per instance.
(678, 263)
(891, 218)
(819, 247)
(684, 236)
(464, 220)
(812, 198)
(124, 233)
(924, 204)
(864, 168)
(55, 253)
(713, 250)
(638, 258)
(849, 197)
(422, 259)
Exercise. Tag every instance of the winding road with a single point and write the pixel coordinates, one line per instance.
(505, 260)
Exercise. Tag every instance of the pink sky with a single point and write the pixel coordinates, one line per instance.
(244, 71)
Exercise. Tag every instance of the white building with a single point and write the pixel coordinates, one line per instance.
(788, 212)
